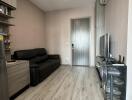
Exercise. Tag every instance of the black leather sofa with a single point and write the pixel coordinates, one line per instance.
(41, 64)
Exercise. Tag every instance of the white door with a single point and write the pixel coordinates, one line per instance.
(80, 41)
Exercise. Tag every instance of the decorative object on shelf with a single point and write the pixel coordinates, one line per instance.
(119, 61)
(2, 9)
(103, 2)
(5, 10)
(123, 60)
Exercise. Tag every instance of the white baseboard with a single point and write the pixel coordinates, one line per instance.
(66, 65)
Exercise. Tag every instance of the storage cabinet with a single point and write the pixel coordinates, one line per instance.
(112, 78)
(18, 76)
(10, 2)
(116, 82)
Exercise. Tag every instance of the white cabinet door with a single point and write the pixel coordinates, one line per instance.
(10, 2)
(18, 73)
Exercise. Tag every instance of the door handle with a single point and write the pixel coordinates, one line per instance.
(72, 45)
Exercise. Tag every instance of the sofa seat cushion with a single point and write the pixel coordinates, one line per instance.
(39, 59)
(45, 65)
(53, 62)
(45, 69)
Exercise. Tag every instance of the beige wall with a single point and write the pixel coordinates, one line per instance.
(129, 54)
(58, 31)
(28, 31)
(116, 18)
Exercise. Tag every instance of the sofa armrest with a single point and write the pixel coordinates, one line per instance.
(34, 74)
(53, 57)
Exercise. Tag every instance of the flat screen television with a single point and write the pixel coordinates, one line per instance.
(105, 46)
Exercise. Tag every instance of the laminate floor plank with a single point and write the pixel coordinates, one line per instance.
(66, 83)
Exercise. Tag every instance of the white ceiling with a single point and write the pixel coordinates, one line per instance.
(50, 5)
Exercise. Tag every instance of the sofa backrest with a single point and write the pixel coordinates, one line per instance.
(40, 52)
(29, 54)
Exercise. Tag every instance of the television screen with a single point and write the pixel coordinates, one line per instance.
(105, 45)
(102, 46)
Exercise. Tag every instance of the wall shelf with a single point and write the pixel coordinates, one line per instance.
(7, 5)
(6, 23)
(7, 50)
(5, 16)
(3, 34)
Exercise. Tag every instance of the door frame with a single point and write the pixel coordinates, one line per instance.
(71, 38)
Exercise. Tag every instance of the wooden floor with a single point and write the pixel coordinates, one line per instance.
(67, 83)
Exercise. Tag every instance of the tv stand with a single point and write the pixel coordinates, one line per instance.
(109, 72)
